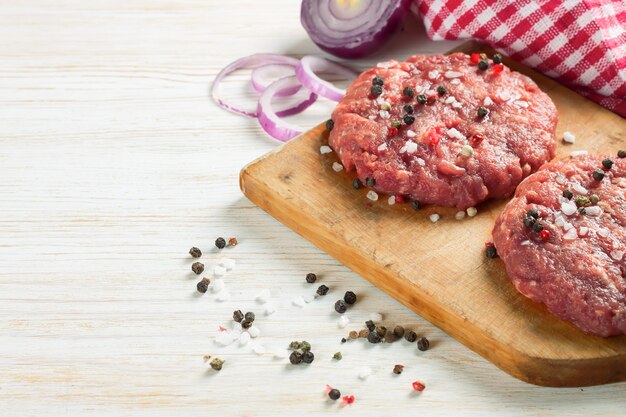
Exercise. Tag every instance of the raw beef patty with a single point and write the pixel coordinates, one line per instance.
(571, 257)
(442, 151)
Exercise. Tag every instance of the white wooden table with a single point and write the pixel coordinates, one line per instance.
(113, 163)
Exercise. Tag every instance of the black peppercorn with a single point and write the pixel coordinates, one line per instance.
(330, 124)
(216, 364)
(295, 345)
(410, 336)
(197, 267)
(423, 344)
(311, 277)
(349, 297)
(295, 357)
(370, 325)
(483, 65)
(322, 290)
(373, 337)
(491, 252)
(344, 340)
(378, 80)
(305, 346)
(340, 307)
(356, 183)
(421, 99)
(497, 59)
(249, 316)
(537, 227)
(397, 369)
(482, 112)
(598, 175)
(568, 194)
(594, 199)
(195, 252)
(441, 90)
(381, 330)
(621, 153)
(409, 109)
(607, 163)
(415, 205)
(408, 92)
(376, 90)
(408, 119)
(398, 331)
(581, 201)
(370, 182)
(238, 316)
(246, 324)
(308, 357)
(529, 222)
(532, 213)
(337, 356)
(334, 394)
(203, 285)
(582, 211)
(220, 242)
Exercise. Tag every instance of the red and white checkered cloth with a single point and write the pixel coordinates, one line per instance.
(582, 43)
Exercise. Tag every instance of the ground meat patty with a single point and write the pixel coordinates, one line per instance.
(579, 270)
(426, 157)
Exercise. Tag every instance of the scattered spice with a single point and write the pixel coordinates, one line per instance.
(305, 346)
(220, 242)
(497, 59)
(398, 331)
(232, 241)
(537, 227)
(356, 183)
(330, 124)
(370, 325)
(498, 68)
(482, 112)
(408, 92)
(197, 268)
(421, 99)
(607, 163)
(409, 109)
(344, 340)
(373, 337)
(376, 90)
(397, 369)
(295, 358)
(195, 252)
(476, 139)
(378, 80)
(544, 235)
(483, 65)
(311, 277)
(408, 119)
(295, 345)
(390, 337)
(441, 90)
(594, 199)
(363, 333)
(249, 316)
(598, 175)
(423, 344)
(349, 297)
(348, 399)
(418, 386)
(353, 334)
(621, 153)
(581, 201)
(381, 330)
(491, 252)
(532, 213)
(246, 324)
(410, 336)
(340, 307)
(322, 290)
(431, 98)
(568, 194)
(396, 124)
(308, 357)
(474, 58)
(203, 285)
(337, 356)
(334, 394)
(206, 358)
(415, 205)
(216, 364)
(370, 182)
(238, 316)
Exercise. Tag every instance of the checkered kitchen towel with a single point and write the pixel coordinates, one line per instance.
(582, 43)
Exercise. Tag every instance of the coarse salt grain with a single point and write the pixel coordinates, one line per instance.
(223, 339)
(567, 226)
(450, 99)
(583, 231)
(244, 339)
(559, 221)
(560, 179)
(472, 211)
(569, 137)
(343, 321)
(525, 243)
(521, 103)
(455, 81)
(384, 114)
(593, 210)
(219, 271)
(487, 101)
(579, 189)
(434, 217)
(504, 95)
(372, 117)
(376, 317)
(603, 232)
(365, 372)
(337, 166)
(453, 74)
(459, 215)
(457, 105)
(411, 147)
(259, 349)
(433, 74)
(218, 285)
(575, 154)
(568, 208)
(452, 132)
(372, 195)
(269, 310)
(222, 296)
(411, 133)
(227, 263)
(309, 298)
(420, 162)
(254, 331)
(263, 296)
(430, 92)
(617, 255)
(380, 100)
(382, 147)
(391, 200)
(325, 149)
(570, 235)
(298, 301)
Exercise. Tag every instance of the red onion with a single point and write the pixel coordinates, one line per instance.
(352, 28)
(305, 72)
(262, 75)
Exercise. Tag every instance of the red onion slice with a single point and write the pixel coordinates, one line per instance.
(349, 28)
(265, 75)
(305, 72)
(246, 62)
(270, 121)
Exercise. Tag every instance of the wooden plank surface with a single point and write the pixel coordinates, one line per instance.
(113, 162)
(439, 270)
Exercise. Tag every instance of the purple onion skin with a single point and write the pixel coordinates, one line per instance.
(372, 45)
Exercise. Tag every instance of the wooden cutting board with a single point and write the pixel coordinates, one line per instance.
(439, 270)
